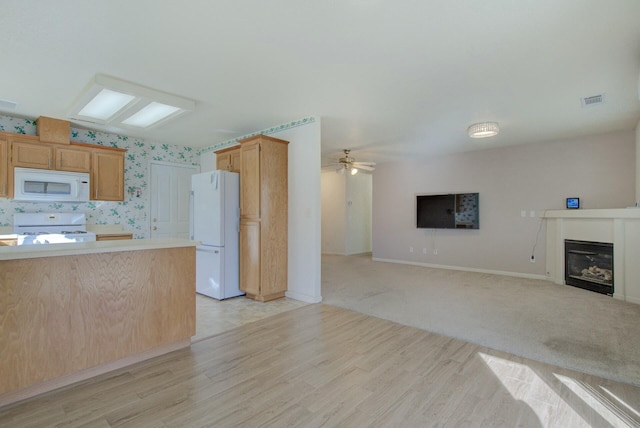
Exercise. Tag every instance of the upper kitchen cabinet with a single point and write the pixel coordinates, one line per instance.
(107, 174)
(29, 152)
(263, 217)
(228, 159)
(70, 158)
(4, 167)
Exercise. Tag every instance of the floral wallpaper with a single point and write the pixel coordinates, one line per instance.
(133, 212)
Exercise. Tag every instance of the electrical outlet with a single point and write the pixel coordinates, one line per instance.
(532, 214)
(533, 259)
(523, 213)
(435, 252)
(411, 249)
(424, 250)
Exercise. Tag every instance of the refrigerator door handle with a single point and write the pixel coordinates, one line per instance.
(217, 179)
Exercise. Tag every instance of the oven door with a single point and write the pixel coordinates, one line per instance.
(39, 185)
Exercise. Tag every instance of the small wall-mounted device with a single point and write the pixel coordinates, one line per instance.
(573, 203)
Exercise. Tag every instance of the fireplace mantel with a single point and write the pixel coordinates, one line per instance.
(620, 226)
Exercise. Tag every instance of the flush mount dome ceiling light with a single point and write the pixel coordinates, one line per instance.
(111, 101)
(483, 130)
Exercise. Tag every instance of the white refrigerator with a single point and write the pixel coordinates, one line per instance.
(215, 221)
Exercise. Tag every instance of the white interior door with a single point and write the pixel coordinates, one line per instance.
(170, 186)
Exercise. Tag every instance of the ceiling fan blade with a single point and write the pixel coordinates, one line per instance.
(365, 163)
(365, 167)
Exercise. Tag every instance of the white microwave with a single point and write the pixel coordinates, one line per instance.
(43, 185)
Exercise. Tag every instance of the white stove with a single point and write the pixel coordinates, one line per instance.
(51, 228)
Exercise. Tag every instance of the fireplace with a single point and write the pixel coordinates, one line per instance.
(589, 265)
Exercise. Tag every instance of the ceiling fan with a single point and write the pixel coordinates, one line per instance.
(347, 163)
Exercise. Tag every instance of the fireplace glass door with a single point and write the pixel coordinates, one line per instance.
(589, 265)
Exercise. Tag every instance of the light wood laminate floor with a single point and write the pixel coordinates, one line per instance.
(323, 366)
(216, 316)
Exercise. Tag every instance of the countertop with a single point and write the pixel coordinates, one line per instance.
(71, 249)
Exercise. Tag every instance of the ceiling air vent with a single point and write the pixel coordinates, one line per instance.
(593, 100)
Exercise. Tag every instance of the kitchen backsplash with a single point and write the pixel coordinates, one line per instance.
(132, 213)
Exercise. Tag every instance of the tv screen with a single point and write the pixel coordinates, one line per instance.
(451, 211)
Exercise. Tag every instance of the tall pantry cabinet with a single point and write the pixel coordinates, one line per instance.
(263, 217)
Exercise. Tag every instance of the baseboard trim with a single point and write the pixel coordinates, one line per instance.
(303, 297)
(464, 269)
(329, 253)
(631, 299)
(50, 385)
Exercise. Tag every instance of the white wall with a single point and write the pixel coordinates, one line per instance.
(304, 211)
(333, 213)
(346, 213)
(598, 169)
(207, 161)
(358, 200)
(637, 200)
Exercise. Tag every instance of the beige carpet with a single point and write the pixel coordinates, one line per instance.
(561, 325)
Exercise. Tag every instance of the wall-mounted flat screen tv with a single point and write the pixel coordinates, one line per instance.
(451, 211)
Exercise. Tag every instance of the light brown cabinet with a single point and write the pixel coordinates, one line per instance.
(228, 159)
(4, 167)
(114, 237)
(8, 242)
(107, 175)
(34, 154)
(30, 153)
(72, 159)
(263, 217)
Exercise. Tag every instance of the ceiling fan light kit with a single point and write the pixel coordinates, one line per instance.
(347, 163)
(483, 130)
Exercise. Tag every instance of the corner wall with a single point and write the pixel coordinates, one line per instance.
(534, 177)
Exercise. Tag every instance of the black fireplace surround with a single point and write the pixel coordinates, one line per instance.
(589, 265)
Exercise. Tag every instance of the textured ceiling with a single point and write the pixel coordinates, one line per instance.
(390, 80)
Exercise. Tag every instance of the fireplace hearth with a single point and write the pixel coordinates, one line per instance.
(589, 265)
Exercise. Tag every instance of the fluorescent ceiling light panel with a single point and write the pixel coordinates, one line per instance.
(151, 114)
(106, 104)
(111, 101)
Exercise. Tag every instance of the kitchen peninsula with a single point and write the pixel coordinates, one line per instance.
(69, 312)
